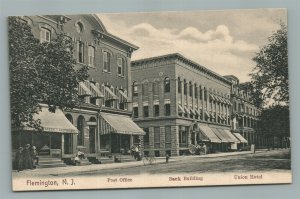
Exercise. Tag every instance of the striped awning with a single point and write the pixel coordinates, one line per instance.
(212, 97)
(220, 135)
(124, 97)
(186, 110)
(95, 91)
(209, 133)
(240, 137)
(192, 111)
(207, 114)
(233, 138)
(120, 124)
(109, 95)
(52, 122)
(180, 109)
(83, 89)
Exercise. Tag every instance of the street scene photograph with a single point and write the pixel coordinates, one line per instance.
(156, 99)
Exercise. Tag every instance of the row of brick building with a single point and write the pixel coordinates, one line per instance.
(164, 103)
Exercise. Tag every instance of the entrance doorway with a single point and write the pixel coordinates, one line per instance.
(92, 139)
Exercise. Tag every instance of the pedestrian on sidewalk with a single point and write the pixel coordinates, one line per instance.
(27, 157)
(19, 159)
(35, 156)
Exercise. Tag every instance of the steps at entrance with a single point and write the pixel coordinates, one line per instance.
(49, 162)
(84, 162)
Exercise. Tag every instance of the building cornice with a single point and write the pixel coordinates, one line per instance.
(178, 57)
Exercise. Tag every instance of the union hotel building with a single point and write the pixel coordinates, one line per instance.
(178, 103)
(102, 123)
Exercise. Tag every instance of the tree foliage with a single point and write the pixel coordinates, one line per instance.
(40, 73)
(270, 75)
(275, 121)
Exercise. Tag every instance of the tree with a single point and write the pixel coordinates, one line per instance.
(270, 75)
(40, 73)
(275, 122)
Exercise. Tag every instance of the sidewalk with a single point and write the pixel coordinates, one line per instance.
(96, 167)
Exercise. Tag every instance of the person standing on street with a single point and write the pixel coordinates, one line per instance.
(19, 159)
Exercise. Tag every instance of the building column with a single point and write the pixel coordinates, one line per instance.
(151, 141)
(175, 140)
(162, 141)
(62, 145)
(202, 102)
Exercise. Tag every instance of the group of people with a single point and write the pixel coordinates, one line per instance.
(78, 157)
(136, 152)
(26, 158)
(201, 149)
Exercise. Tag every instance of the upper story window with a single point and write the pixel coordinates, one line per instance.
(155, 88)
(106, 61)
(91, 56)
(156, 110)
(191, 89)
(121, 66)
(167, 109)
(185, 87)
(80, 50)
(79, 27)
(179, 85)
(135, 89)
(145, 89)
(135, 112)
(146, 111)
(45, 35)
(167, 85)
(196, 90)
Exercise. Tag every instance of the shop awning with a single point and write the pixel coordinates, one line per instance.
(220, 135)
(209, 134)
(53, 122)
(124, 97)
(186, 110)
(192, 111)
(232, 137)
(240, 137)
(121, 124)
(83, 90)
(109, 95)
(180, 109)
(212, 97)
(96, 92)
(207, 114)
(227, 135)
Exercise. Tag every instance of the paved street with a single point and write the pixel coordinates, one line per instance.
(276, 160)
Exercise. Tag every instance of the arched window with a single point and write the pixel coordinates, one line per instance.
(179, 85)
(106, 61)
(121, 66)
(135, 89)
(69, 117)
(145, 89)
(80, 127)
(167, 85)
(45, 35)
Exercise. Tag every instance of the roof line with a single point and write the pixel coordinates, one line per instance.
(184, 59)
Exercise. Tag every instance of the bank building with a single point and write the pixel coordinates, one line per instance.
(180, 103)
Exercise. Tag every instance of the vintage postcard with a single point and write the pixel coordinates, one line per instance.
(161, 99)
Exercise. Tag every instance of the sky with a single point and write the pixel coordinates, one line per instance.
(224, 41)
